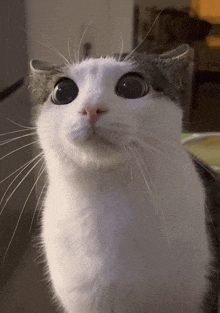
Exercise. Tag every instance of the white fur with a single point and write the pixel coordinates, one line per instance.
(123, 225)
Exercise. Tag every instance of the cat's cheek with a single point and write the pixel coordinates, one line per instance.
(48, 124)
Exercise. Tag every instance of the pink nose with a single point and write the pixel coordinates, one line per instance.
(93, 113)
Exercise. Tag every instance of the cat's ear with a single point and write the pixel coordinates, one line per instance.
(180, 52)
(43, 67)
(176, 65)
(41, 80)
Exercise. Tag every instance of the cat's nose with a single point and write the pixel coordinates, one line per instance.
(93, 112)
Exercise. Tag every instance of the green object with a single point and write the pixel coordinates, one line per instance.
(186, 135)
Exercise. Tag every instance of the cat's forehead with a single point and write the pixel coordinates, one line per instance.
(102, 67)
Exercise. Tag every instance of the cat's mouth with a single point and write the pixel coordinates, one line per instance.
(89, 146)
(96, 137)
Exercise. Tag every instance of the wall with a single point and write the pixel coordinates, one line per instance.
(164, 3)
(13, 54)
(13, 109)
(55, 22)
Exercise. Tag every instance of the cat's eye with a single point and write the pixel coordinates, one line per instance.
(132, 86)
(65, 91)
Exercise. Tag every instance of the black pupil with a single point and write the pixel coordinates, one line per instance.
(132, 86)
(65, 91)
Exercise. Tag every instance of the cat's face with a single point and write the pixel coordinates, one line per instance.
(95, 109)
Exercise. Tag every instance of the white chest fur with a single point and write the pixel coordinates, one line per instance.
(115, 245)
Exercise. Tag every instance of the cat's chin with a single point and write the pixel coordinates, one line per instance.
(94, 149)
(96, 153)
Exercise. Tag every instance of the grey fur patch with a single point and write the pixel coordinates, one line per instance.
(169, 72)
(42, 79)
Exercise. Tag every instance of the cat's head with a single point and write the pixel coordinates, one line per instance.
(90, 112)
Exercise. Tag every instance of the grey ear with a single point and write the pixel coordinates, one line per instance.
(41, 79)
(176, 65)
(175, 54)
(42, 67)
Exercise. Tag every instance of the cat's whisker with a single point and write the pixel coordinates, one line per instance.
(80, 43)
(135, 49)
(16, 138)
(40, 172)
(131, 150)
(69, 50)
(162, 154)
(51, 47)
(151, 187)
(171, 157)
(164, 134)
(27, 163)
(21, 213)
(14, 132)
(122, 49)
(75, 54)
(11, 194)
(38, 201)
(21, 171)
(31, 143)
(162, 140)
(42, 204)
(144, 170)
(138, 155)
(22, 126)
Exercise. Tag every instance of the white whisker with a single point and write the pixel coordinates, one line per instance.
(132, 52)
(82, 40)
(40, 172)
(142, 167)
(26, 127)
(163, 140)
(122, 49)
(75, 54)
(4, 142)
(44, 186)
(38, 201)
(69, 50)
(51, 47)
(15, 131)
(160, 153)
(19, 218)
(18, 149)
(132, 152)
(11, 194)
(27, 163)
(151, 187)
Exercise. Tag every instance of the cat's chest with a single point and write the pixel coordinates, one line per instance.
(114, 205)
(102, 233)
(124, 231)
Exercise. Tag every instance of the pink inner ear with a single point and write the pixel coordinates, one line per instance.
(38, 66)
(179, 52)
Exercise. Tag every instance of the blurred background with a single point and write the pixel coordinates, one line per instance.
(52, 30)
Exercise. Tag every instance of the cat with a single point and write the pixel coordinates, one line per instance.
(128, 223)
